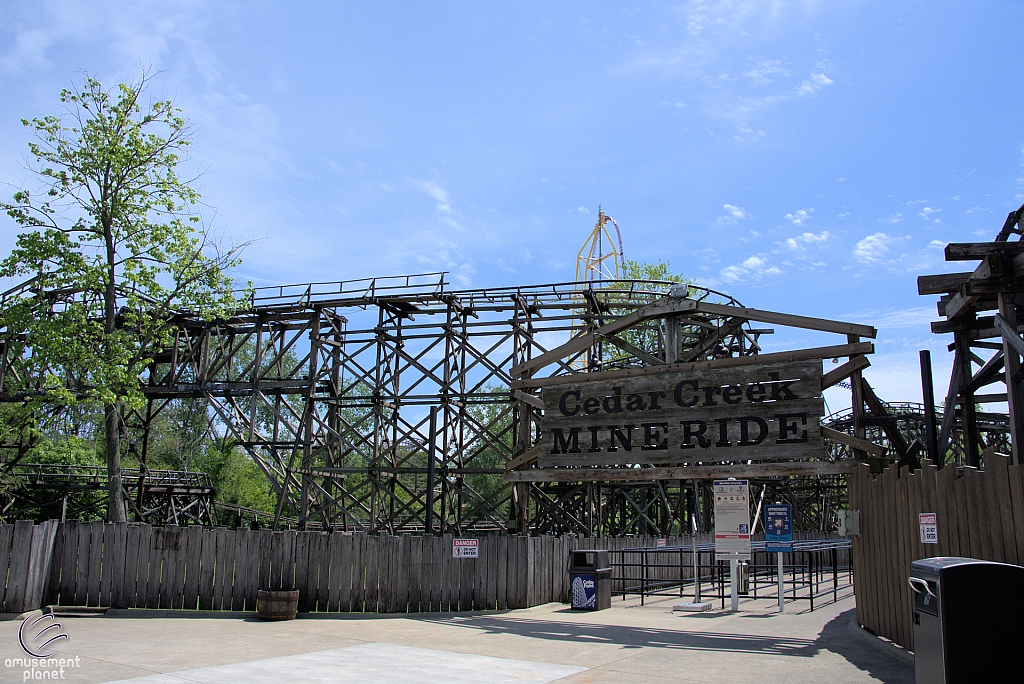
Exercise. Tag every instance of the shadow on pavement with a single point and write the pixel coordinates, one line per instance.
(578, 633)
(836, 637)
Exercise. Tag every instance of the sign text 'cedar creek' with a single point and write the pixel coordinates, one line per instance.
(705, 415)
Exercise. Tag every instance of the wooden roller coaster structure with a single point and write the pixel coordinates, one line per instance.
(399, 405)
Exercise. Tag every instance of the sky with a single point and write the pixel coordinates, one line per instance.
(806, 157)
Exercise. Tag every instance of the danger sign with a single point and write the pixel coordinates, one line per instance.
(929, 528)
(465, 548)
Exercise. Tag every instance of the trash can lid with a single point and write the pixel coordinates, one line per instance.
(934, 565)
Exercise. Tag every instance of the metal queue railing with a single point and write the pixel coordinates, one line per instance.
(815, 569)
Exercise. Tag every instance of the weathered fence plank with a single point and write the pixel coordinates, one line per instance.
(305, 581)
(358, 596)
(207, 569)
(92, 597)
(131, 567)
(340, 595)
(193, 557)
(118, 581)
(53, 583)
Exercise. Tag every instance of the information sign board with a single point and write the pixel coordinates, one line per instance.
(778, 528)
(732, 520)
(465, 548)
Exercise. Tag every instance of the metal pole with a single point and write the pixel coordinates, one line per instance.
(696, 565)
(782, 584)
(734, 584)
(430, 471)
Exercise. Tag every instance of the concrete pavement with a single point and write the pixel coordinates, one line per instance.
(628, 643)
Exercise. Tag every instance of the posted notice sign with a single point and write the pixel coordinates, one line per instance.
(732, 520)
(465, 548)
(929, 528)
(778, 528)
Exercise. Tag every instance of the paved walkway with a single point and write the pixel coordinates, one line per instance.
(626, 644)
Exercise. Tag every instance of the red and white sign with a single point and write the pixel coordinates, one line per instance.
(465, 548)
(661, 543)
(929, 528)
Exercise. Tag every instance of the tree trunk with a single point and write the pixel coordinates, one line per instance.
(112, 431)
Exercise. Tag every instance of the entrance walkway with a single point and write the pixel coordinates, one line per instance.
(626, 644)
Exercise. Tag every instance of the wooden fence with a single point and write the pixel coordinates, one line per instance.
(980, 514)
(25, 555)
(138, 566)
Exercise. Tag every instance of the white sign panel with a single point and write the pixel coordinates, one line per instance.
(732, 520)
(465, 548)
(929, 528)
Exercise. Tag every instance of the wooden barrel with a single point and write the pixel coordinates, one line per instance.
(277, 605)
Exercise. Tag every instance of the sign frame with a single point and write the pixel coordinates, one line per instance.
(732, 519)
(753, 412)
(929, 527)
(465, 548)
(778, 528)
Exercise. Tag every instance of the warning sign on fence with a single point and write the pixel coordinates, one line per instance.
(929, 528)
(465, 548)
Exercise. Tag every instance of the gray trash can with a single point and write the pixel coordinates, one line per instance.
(743, 584)
(590, 579)
(967, 618)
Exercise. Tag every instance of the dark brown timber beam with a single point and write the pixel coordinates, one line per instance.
(754, 470)
(967, 251)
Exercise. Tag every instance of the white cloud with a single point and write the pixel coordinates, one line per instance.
(927, 212)
(435, 251)
(873, 248)
(735, 215)
(444, 207)
(723, 78)
(894, 218)
(801, 242)
(748, 134)
(800, 216)
(766, 72)
(583, 210)
(936, 244)
(812, 85)
(917, 316)
(753, 268)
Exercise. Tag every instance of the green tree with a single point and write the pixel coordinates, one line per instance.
(115, 247)
(642, 270)
(647, 335)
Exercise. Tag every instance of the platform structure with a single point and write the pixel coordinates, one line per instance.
(400, 405)
(63, 492)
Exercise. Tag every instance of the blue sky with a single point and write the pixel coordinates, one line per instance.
(806, 157)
